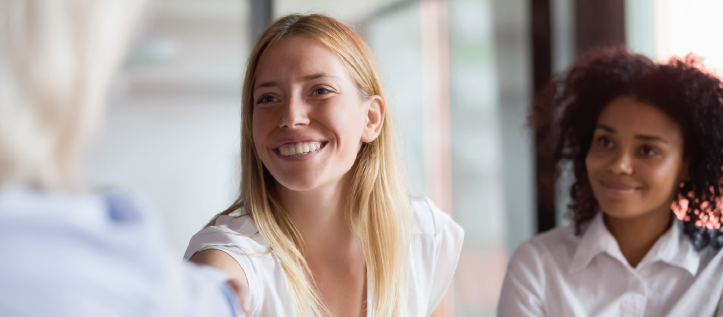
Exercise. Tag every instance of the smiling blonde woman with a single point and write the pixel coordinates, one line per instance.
(323, 225)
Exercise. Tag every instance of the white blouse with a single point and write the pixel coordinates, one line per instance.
(435, 249)
(558, 274)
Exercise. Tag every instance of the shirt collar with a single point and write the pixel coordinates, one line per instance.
(672, 247)
(675, 248)
(596, 239)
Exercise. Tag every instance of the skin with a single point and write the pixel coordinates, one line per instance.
(635, 164)
(237, 277)
(303, 92)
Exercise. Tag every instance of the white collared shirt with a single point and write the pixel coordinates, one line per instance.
(558, 274)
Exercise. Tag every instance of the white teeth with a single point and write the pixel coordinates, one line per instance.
(299, 148)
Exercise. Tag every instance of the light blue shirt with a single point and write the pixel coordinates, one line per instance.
(70, 255)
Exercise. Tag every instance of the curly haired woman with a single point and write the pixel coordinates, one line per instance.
(641, 138)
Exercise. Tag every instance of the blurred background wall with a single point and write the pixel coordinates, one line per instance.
(460, 75)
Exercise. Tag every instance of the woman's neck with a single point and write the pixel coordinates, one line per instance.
(636, 236)
(334, 257)
(319, 214)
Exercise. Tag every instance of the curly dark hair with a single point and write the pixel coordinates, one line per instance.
(565, 115)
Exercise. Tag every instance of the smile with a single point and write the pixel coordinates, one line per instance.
(618, 190)
(300, 148)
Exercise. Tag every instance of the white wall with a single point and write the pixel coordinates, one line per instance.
(173, 124)
(181, 154)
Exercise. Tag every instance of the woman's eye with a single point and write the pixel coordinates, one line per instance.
(648, 150)
(321, 91)
(265, 99)
(604, 142)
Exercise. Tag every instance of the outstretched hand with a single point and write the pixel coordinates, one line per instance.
(243, 296)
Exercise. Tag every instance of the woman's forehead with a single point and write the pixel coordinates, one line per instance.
(626, 115)
(297, 58)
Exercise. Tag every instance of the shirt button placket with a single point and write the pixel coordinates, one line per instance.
(640, 302)
(633, 305)
(641, 298)
(635, 300)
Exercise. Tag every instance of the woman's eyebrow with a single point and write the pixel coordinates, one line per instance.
(317, 75)
(606, 128)
(266, 84)
(307, 77)
(646, 137)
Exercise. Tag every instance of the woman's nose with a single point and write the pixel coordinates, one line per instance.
(622, 164)
(294, 113)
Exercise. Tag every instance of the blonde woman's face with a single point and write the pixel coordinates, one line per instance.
(308, 118)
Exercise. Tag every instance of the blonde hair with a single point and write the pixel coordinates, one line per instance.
(378, 205)
(56, 59)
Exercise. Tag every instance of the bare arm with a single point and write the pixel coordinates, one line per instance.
(224, 262)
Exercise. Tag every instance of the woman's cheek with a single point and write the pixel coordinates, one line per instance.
(660, 176)
(593, 163)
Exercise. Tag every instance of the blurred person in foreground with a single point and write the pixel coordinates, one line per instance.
(643, 139)
(65, 251)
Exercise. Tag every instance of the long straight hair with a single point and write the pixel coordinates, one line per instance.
(378, 206)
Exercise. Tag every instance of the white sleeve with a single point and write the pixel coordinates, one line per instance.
(523, 287)
(448, 240)
(719, 308)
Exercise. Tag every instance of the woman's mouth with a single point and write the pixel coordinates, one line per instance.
(300, 148)
(618, 190)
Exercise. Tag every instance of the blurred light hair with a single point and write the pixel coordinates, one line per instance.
(56, 59)
(378, 205)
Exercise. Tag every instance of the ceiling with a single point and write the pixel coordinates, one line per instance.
(192, 48)
(348, 11)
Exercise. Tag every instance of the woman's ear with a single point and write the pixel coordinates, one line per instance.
(376, 111)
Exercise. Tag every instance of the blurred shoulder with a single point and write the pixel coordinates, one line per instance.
(105, 214)
(114, 233)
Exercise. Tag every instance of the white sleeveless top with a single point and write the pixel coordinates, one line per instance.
(435, 248)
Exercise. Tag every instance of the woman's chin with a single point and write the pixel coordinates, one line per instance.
(299, 184)
(623, 211)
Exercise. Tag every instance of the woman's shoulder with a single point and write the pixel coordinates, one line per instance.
(533, 267)
(430, 220)
(235, 232)
(237, 235)
(435, 236)
(435, 250)
(556, 245)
